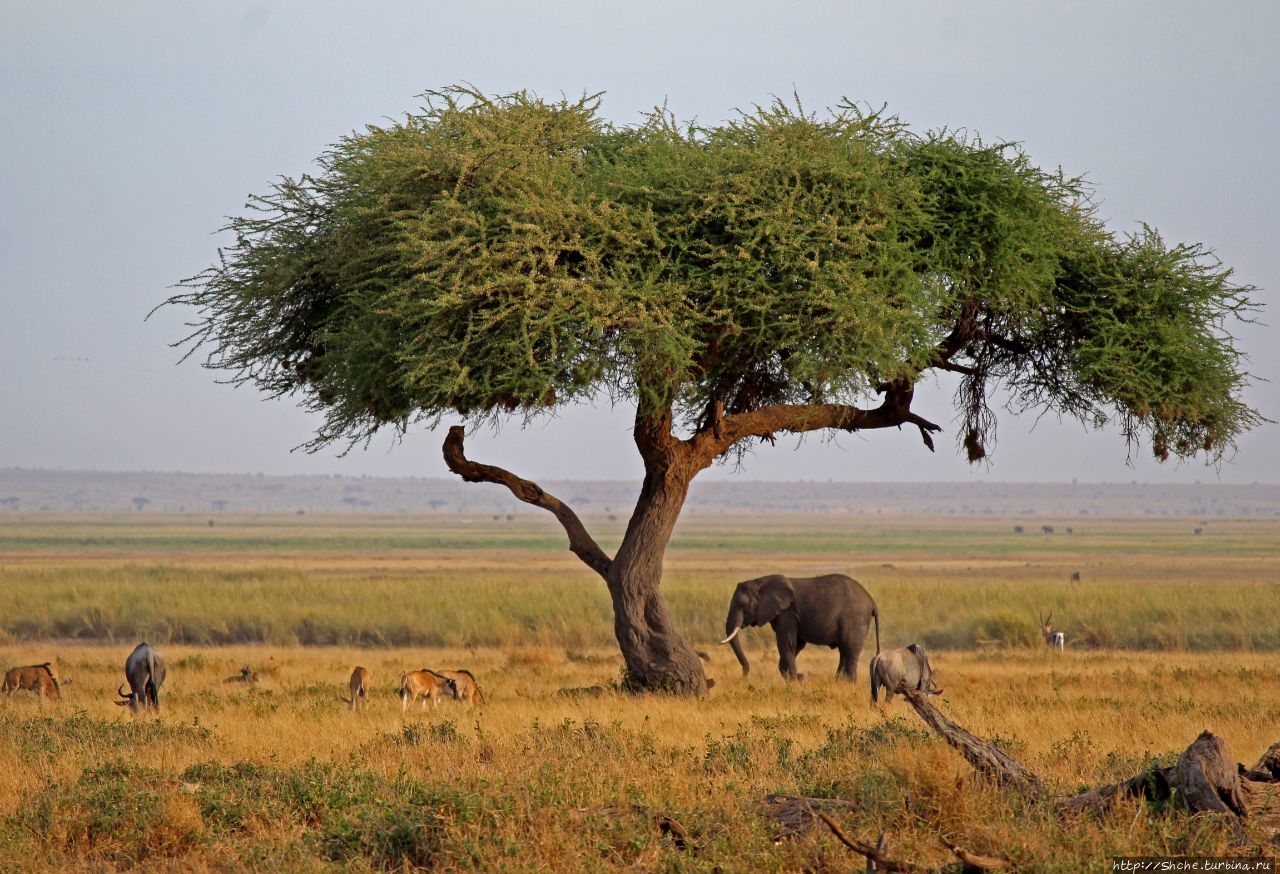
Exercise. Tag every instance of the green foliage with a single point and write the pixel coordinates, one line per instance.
(490, 255)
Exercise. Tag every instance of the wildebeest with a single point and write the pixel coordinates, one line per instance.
(33, 678)
(360, 681)
(465, 681)
(897, 670)
(144, 670)
(425, 684)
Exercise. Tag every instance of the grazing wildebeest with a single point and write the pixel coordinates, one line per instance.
(425, 684)
(897, 670)
(144, 670)
(33, 678)
(1052, 638)
(360, 681)
(468, 690)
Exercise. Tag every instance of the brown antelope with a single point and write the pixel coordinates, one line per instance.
(427, 685)
(1052, 639)
(33, 678)
(468, 689)
(360, 682)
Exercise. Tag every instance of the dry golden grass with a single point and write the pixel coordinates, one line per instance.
(283, 775)
(554, 767)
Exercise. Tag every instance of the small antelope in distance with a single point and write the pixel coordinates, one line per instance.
(360, 681)
(1053, 639)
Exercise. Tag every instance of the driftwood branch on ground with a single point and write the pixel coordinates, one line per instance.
(878, 856)
(983, 756)
(1205, 779)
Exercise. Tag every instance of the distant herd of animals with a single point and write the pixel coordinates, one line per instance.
(833, 610)
(145, 672)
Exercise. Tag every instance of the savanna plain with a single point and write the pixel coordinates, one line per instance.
(1172, 627)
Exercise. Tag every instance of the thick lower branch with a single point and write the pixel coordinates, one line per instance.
(581, 543)
(765, 422)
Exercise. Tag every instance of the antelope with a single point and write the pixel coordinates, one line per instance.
(1052, 639)
(467, 689)
(35, 678)
(425, 684)
(360, 680)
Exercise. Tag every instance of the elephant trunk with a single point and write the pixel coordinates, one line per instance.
(741, 654)
(732, 626)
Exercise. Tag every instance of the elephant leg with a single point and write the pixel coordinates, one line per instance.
(848, 667)
(788, 645)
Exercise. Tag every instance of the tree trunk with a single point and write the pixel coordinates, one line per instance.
(658, 657)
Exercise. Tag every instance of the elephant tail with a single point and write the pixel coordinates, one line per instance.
(874, 663)
(875, 614)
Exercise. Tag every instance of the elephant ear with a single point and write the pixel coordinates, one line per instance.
(775, 596)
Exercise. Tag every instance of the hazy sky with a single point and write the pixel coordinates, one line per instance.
(132, 130)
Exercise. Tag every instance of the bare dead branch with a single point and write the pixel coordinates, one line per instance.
(984, 757)
(581, 543)
(972, 861)
(876, 860)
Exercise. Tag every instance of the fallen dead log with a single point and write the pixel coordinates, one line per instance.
(983, 756)
(1268, 768)
(1205, 780)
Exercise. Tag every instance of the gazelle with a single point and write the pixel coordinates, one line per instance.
(1054, 639)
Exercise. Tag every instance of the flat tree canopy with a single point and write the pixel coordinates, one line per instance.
(783, 272)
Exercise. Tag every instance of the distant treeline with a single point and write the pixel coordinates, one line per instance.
(26, 491)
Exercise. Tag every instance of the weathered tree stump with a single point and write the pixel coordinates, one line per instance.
(1206, 777)
(1268, 768)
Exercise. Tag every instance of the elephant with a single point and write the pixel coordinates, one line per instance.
(832, 610)
(899, 669)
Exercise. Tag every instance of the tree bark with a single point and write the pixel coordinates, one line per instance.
(657, 655)
(658, 658)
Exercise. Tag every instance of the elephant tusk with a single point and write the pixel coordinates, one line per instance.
(733, 635)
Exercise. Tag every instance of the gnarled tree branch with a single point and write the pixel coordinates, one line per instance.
(581, 543)
(765, 422)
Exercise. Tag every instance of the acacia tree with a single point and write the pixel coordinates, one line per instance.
(781, 273)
